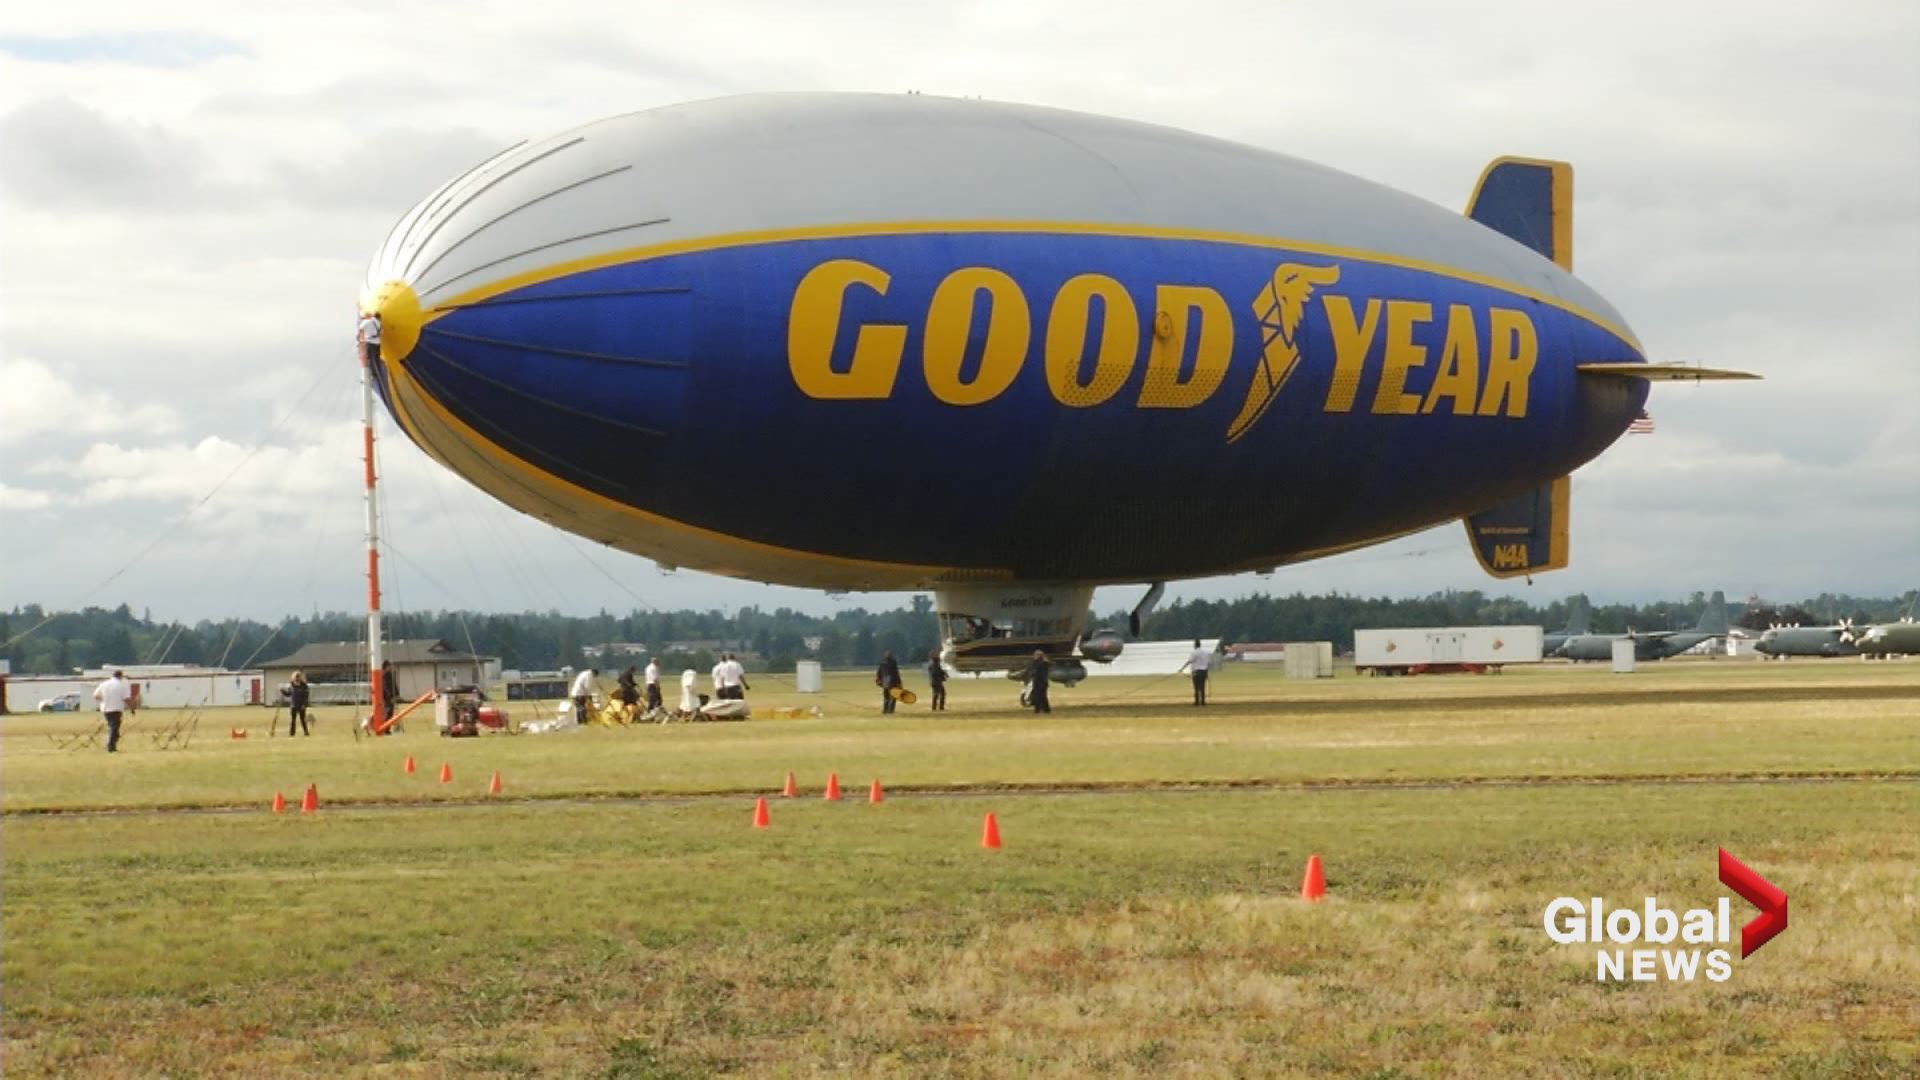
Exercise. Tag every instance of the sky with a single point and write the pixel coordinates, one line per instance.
(190, 194)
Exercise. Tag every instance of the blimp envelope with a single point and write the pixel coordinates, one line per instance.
(865, 341)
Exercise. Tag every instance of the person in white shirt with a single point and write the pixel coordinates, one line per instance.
(653, 685)
(718, 676)
(687, 680)
(1199, 662)
(369, 334)
(113, 696)
(582, 694)
(733, 679)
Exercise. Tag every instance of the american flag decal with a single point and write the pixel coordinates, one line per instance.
(1642, 424)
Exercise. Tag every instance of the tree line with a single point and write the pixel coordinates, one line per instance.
(37, 641)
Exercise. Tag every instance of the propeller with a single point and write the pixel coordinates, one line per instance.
(1847, 633)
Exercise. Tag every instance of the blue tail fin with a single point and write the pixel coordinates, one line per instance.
(1527, 534)
(1529, 200)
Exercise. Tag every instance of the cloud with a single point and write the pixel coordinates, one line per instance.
(155, 49)
(13, 498)
(379, 169)
(35, 401)
(265, 480)
(63, 154)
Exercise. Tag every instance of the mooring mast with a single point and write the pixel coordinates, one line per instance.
(375, 688)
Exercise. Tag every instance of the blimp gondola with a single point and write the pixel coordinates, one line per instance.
(999, 352)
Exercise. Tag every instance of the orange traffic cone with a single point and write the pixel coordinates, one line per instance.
(760, 819)
(446, 773)
(279, 803)
(990, 832)
(792, 790)
(493, 785)
(310, 802)
(833, 788)
(874, 796)
(408, 767)
(1314, 885)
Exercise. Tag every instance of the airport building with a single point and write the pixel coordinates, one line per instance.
(337, 671)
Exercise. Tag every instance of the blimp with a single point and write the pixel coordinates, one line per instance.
(997, 352)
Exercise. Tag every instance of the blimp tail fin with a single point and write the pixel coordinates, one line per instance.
(1529, 200)
(1526, 534)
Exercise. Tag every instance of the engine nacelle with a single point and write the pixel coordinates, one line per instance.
(1103, 647)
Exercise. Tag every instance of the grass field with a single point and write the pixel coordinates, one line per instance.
(612, 914)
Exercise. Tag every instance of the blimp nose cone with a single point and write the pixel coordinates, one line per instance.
(398, 310)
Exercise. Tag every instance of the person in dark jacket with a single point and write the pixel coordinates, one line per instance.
(629, 691)
(887, 678)
(298, 695)
(389, 686)
(937, 678)
(1037, 674)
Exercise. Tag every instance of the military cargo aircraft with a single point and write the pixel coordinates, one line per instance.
(1654, 644)
(1780, 642)
(1890, 639)
(1579, 624)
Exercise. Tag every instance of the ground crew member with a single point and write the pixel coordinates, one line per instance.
(887, 678)
(653, 685)
(937, 678)
(629, 694)
(1037, 674)
(389, 687)
(369, 333)
(582, 694)
(1199, 662)
(298, 695)
(733, 678)
(113, 695)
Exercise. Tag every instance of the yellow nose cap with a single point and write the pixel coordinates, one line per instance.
(400, 319)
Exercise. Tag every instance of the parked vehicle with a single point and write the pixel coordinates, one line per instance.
(67, 702)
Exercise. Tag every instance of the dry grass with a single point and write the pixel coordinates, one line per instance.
(1134, 933)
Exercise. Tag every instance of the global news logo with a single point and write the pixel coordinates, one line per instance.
(1680, 937)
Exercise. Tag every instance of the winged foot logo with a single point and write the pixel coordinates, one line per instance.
(1280, 308)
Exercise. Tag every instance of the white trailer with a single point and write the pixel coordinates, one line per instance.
(161, 686)
(1418, 650)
